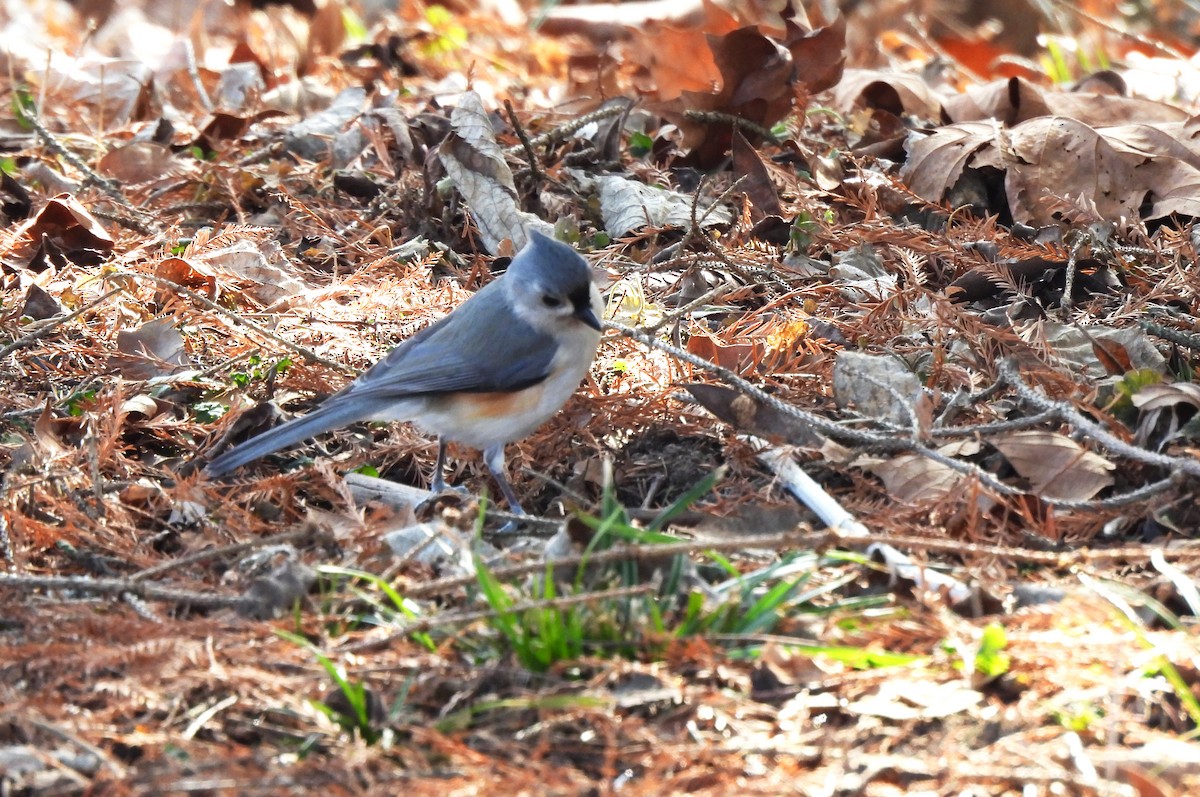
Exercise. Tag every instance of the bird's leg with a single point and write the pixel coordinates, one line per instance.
(493, 457)
(437, 485)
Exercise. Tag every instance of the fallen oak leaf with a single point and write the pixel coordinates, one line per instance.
(1055, 465)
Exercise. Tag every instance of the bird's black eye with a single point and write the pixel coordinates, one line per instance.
(551, 301)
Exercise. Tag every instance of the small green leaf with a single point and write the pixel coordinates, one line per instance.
(77, 401)
(352, 23)
(24, 108)
(640, 144)
(208, 411)
(991, 660)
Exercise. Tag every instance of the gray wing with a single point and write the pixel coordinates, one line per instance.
(480, 347)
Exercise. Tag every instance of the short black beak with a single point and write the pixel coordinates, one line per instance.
(587, 315)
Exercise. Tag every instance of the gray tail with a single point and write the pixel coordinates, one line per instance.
(331, 415)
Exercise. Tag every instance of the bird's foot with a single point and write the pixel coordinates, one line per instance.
(514, 520)
(438, 490)
(440, 487)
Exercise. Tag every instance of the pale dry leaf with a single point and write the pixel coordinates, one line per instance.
(1056, 166)
(270, 276)
(911, 93)
(903, 700)
(1016, 100)
(1055, 465)
(115, 87)
(627, 205)
(1161, 396)
(909, 478)
(476, 167)
(1077, 347)
(313, 138)
(141, 404)
(861, 275)
(935, 162)
(141, 162)
(153, 349)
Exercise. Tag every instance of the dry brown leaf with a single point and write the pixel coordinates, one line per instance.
(1055, 465)
(747, 415)
(70, 228)
(153, 349)
(756, 182)
(189, 273)
(1056, 167)
(679, 60)
(141, 162)
(935, 162)
(1017, 100)
(898, 93)
(911, 478)
(39, 304)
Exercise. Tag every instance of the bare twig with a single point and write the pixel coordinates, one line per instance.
(52, 324)
(300, 535)
(303, 351)
(876, 442)
(114, 587)
(891, 443)
(1068, 414)
(680, 312)
(798, 538)
(1176, 336)
(109, 187)
(568, 128)
(719, 118)
(535, 171)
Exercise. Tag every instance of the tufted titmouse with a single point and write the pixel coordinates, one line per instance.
(488, 373)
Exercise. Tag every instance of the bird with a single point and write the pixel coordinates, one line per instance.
(486, 374)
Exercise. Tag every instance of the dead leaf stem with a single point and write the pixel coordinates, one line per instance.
(300, 535)
(87, 585)
(52, 324)
(889, 442)
(303, 351)
(567, 128)
(796, 538)
(535, 171)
